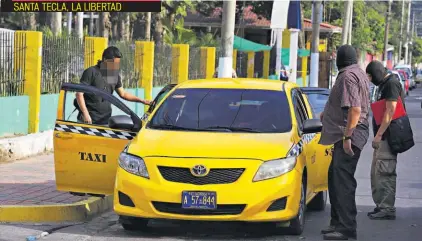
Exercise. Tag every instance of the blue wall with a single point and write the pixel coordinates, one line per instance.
(13, 115)
(14, 111)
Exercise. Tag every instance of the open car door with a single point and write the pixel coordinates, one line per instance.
(160, 96)
(86, 155)
(323, 154)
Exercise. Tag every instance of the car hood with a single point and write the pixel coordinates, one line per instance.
(167, 143)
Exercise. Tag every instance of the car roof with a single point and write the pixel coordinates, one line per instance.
(315, 90)
(403, 66)
(238, 83)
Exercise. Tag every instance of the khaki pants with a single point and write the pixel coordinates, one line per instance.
(383, 177)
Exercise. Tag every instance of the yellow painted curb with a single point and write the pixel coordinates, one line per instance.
(80, 211)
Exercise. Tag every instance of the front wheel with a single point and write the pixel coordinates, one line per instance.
(298, 223)
(319, 202)
(134, 224)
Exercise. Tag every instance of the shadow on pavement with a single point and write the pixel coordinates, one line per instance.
(407, 226)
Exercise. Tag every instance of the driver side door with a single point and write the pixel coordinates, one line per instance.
(86, 155)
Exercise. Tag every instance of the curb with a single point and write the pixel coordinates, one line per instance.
(20, 147)
(75, 212)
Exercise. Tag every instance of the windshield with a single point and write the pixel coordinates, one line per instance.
(317, 101)
(231, 110)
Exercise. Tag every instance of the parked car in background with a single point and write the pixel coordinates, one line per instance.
(404, 81)
(418, 75)
(408, 69)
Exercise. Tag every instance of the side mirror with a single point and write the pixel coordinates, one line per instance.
(123, 122)
(312, 126)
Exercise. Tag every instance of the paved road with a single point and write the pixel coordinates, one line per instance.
(407, 226)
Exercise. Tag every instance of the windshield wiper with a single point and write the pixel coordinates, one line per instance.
(232, 129)
(172, 127)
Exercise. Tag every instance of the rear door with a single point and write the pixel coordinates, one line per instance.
(160, 96)
(86, 155)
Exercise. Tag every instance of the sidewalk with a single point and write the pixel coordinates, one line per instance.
(28, 194)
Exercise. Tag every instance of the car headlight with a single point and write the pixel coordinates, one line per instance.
(133, 164)
(275, 168)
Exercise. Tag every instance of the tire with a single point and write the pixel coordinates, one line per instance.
(297, 224)
(134, 224)
(319, 202)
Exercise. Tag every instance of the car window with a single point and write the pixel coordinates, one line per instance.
(300, 109)
(100, 109)
(317, 101)
(214, 109)
(160, 97)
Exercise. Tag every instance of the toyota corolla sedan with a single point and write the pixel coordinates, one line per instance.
(207, 150)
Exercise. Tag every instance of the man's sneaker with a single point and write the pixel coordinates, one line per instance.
(382, 216)
(329, 229)
(338, 236)
(376, 210)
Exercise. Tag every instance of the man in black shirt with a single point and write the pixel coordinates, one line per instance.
(105, 75)
(383, 169)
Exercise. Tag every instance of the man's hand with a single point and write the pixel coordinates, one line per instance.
(347, 147)
(87, 118)
(147, 102)
(376, 142)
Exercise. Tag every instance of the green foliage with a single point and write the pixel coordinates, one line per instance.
(417, 50)
(179, 34)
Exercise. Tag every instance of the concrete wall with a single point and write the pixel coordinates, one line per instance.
(14, 111)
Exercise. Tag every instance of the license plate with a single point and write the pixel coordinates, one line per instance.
(199, 200)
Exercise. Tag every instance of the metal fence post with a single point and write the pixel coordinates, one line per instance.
(207, 62)
(235, 59)
(94, 47)
(32, 73)
(145, 51)
(304, 70)
(180, 63)
(251, 64)
(266, 65)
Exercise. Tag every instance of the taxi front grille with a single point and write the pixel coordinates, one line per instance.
(215, 176)
(176, 208)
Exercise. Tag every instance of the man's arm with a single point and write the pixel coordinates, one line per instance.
(86, 79)
(351, 101)
(352, 120)
(388, 116)
(129, 97)
(392, 92)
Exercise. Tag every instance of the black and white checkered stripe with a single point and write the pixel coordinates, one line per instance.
(298, 148)
(95, 132)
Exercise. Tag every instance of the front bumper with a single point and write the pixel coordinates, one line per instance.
(242, 200)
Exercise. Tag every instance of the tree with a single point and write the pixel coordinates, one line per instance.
(104, 24)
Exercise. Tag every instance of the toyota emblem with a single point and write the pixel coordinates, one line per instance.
(199, 171)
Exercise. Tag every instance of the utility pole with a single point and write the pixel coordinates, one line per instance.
(387, 26)
(411, 39)
(69, 23)
(148, 26)
(401, 29)
(346, 21)
(406, 54)
(91, 24)
(315, 43)
(80, 25)
(225, 62)
(349, 38)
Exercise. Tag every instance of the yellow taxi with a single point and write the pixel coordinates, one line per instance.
(206, 150)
